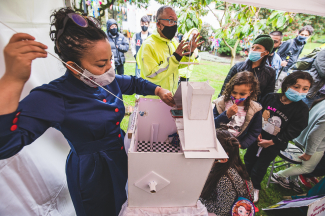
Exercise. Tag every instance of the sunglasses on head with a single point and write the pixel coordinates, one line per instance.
(79, 20)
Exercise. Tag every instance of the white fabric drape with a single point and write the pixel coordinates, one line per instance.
(33, 182)
(315, 7)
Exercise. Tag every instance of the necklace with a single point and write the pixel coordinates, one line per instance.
(284, 101)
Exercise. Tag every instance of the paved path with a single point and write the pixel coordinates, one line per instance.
(210, 57)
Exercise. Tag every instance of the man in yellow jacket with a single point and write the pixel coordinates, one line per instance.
(160, 55)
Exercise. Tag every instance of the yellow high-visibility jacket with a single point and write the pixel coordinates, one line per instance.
(158, 64)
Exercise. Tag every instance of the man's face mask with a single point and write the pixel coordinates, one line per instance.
(169, 31)
(113, 31)
(103, 79)
(144, 28)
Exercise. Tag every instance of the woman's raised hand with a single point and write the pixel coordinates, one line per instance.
(19, 53)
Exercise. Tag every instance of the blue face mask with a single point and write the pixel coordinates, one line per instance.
(301, 38)
(254, 56)
(294, 95)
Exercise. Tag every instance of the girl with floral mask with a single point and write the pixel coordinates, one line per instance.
(256, 63)
(287, 116)
(237, 110)
(87, 115)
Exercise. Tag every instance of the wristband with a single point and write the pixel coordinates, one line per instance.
(178, 57)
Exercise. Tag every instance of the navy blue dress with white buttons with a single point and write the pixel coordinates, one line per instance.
(89, 118)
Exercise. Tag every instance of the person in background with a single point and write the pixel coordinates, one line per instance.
(313, 139)
(129, 35)
(238, 111)
(180, 37)
(274, 59)
(311, 178)
(138, 39)
(292, 48)
(218, 41)
(119, 45)
(318, 189)
(160, 55)
(284, 117)
(256, 63)
(185, 73)
(227, 179)
(317, 71)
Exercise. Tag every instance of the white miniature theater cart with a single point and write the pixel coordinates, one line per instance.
(160, 174)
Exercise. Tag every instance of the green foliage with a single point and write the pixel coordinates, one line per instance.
(103, 7)
(279, 20)
(225, 50)
(244, 23)
(317, 22)
(189, 13)
(289, 23)
(204, 32)
(188, 19)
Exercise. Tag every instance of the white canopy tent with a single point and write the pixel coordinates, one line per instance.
(33, 182)
(315, 7)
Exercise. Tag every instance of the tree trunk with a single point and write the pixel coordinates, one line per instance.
(233, 53)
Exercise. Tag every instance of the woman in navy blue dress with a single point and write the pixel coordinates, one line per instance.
(89, 117)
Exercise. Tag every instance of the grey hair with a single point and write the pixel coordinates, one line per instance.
(145, 19)
(160, 11)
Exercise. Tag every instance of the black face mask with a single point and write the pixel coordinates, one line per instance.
(274, 49)
(169, 31)
(113, 31)
(144, 28)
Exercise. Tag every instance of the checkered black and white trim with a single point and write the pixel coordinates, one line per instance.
(163, 147)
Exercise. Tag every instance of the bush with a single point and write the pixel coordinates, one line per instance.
(223, 49)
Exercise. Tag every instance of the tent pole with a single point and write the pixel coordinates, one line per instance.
(84, 5)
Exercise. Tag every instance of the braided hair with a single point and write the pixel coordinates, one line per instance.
(75, 40)
(231, 146)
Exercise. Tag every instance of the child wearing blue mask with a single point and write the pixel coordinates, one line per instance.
(237, 111)
(284, 116)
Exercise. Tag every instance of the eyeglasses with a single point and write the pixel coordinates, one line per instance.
(79, 20)
(171, 22)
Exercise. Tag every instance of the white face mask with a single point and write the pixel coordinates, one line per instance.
(103, 80)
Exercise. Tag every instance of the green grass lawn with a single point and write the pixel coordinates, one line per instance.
(215, 74)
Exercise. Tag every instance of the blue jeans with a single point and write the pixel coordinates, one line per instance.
(137, 71)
